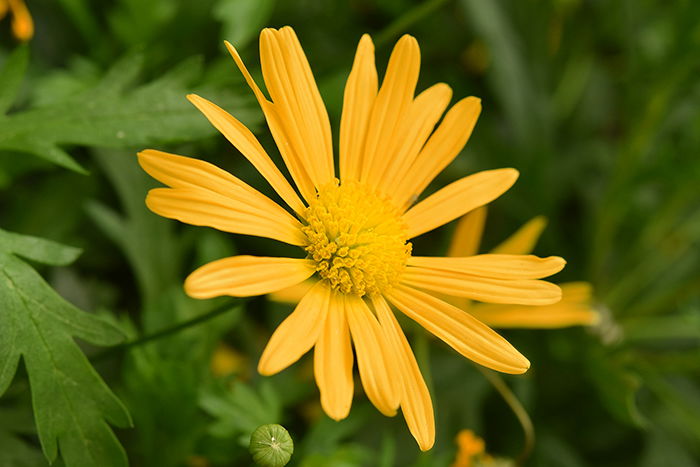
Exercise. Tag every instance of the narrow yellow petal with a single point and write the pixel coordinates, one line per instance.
(484, 289)
(298, 332)
(294, 293)
(574, 309)
(245, 276)
(381, 389)
(414, 130)
(459, 330)
(457, 199)
(467, 235)
(494, 266)
(441, 149)
(293, 162)
(393, 100)
(206, 195)
(416, 406)
(295, 96)
(236, 215)
(333, 361)
(360, 93)
(244, 140)
(523, 241)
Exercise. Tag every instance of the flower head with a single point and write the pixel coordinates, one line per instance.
(574, 308)
(22, 24)
(354, 227)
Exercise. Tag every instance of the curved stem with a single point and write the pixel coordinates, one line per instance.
(106, 353)
(517, 408)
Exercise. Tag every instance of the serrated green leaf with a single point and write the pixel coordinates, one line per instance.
(38, 249)
(11, 76)
(72, 404)
(113, 115)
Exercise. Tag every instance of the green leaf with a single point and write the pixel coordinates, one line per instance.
(11, 76)
(113, 114)
(38, 249)
(240, 410)
(72, 404)
(242, 19)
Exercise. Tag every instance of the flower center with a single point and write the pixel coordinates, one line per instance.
(357, 239)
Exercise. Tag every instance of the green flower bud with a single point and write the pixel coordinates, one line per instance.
(271, 446)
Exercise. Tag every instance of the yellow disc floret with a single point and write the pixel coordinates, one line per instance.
(357, 239)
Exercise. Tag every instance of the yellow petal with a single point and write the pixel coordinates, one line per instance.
(467, 236)
(236, 215)
(372, 361)
(207, 195)
(494, 266)
(22, 23)
(523, 241)
(298, 332)
(393, 100)
(245, 276)
(441, 149)
(415, 128)
(299, 105)
(360, 92)
(416, 405)
(457, 199)
(294, 293)
(459, 330)
(244, 140)
(292, 160)
(458, 284)
(333, 361)
(574, 309)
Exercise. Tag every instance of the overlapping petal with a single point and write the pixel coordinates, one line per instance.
(574, 309)
(483, 289)
(203, 194)
(441, 149)
(333, 361)
(302, 113)
(360, 93)
(373, 359)
(494, 266)
(416, 406)
(244, 140)
(459, 330)
(393, 100)
(298, 332)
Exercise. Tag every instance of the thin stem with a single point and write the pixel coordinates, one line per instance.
(408, 19)
(106, 353)
(517, 408)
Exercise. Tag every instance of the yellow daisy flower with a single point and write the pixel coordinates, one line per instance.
(354, 230)
(575, 307)
(22, 24)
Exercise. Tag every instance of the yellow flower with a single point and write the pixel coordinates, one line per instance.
(468, 446)
(574, 308)
(354, 231)
(22, 24)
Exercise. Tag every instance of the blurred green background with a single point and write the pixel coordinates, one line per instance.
(596, 103)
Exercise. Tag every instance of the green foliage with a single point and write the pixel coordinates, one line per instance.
(109, 114)
(72, 404)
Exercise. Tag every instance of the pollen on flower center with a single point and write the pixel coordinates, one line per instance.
(357, 239)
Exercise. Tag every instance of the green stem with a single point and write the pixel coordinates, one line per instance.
(517, 408)
(106, 353)
(408, 19)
